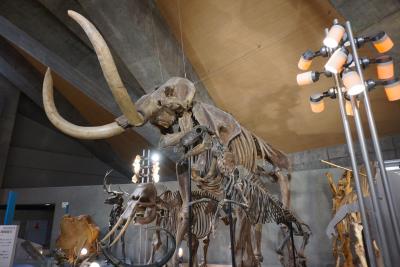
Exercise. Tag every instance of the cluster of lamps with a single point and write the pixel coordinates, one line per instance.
(346, 67)
(146, 168)
(341, 62)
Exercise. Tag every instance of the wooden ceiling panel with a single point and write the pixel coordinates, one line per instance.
(246, 53)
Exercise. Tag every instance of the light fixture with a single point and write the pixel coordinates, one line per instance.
(306, 60)
(307, 57)
(392, 89)
(384, 67)
(317, 103)
(382, 42)
(336, 61)
(352, 82)
(306, 78)
(155, 157)
(94, 264)
(84, 251)
(334, 36)
(154, 171)
(136, 164)
(310, 77)
(349, 108)
(180, 252)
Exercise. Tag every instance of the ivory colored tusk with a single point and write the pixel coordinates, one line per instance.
(109, 69)
(122, 231)
(80, 132)
(107, 236)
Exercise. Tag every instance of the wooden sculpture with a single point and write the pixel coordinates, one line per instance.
(77, 233)
(349, 230)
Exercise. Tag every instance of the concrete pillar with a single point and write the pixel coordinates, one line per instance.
(9, 96)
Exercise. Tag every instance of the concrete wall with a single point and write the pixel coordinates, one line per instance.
(9, 96)
(311, 200)
(310, 159)
(39, 155)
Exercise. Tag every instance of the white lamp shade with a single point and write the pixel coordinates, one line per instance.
(353, 83)
(334, 36)
(305, 78)
(336, 61)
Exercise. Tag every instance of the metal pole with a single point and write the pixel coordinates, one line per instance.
(374, 136)
(140, 243)
(231, 233)
(190, 212)
(374, 198)
(361, 203)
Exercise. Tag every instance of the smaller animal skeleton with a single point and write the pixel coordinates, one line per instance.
(116, 199)
(77, 233)
(140, 209)
(170, 210)
(238, 184)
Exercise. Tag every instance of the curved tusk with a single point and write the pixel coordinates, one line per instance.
(159, 263)
(107, 236)
(122, 231)
(80, 132)
(109, 70)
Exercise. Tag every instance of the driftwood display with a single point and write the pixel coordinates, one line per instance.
(77, 233)
(214, 142)
(348, 248)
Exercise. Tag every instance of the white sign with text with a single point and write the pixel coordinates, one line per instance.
(8, 241)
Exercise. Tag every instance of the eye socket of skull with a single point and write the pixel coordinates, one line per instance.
(169, 91)
(144, 199)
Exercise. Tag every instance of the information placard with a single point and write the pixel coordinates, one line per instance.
(8, 241)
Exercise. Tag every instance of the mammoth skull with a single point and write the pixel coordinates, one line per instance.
(141, 208)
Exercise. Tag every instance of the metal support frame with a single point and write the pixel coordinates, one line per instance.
(231, 233)
(361, 203)
(190, 219)
(388, 197)
(382, 239)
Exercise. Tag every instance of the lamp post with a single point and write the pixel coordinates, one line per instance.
(346, 69)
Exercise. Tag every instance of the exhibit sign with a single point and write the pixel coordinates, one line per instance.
(8, 242)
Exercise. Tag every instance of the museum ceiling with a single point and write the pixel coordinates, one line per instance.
(246, 54)
(241, 54)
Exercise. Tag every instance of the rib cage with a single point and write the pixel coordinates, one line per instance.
(247, 147)
(203, 212)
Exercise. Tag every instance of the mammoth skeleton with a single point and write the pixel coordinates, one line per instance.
(173, 110)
